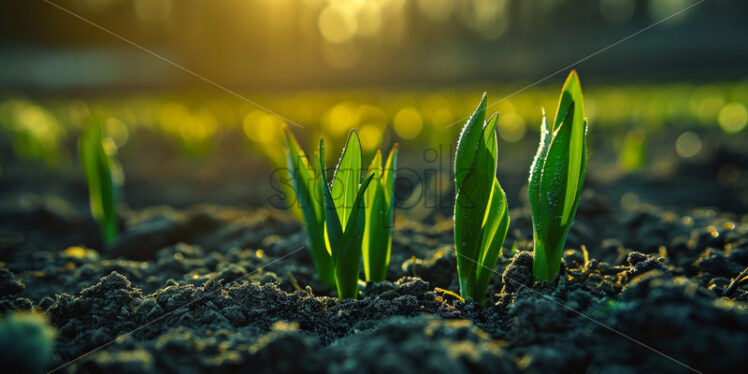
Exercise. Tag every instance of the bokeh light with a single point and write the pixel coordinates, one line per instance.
(337, 23)
(733, 117)
(408, 123)
(688, 144)
(511, 127)
(370, 136)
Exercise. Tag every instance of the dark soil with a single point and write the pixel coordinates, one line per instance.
(213, 288)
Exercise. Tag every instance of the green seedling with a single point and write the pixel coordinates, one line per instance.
(379, 205)
(481, 217)
(345, 215)
(308, 191)
(556, 178)
(633, 153)
(103, 179)
(334, 215)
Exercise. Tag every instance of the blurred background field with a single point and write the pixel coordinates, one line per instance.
(407, 71)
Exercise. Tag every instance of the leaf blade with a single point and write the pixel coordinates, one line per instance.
(347, 177)
(348, 256)
(307, 191)
(471, 201)
(572, 88)
(493, 237)
(333, 230)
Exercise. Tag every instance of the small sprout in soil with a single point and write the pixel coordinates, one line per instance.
(103, 177)
(556, 178)
(334, 215)
(633, 152)
(481, 216)
(379, 203)
(345, 216)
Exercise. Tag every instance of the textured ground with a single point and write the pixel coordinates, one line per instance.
(211, 288)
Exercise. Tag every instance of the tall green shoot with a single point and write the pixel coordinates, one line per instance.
(345, 214)
(379, 204)
(101, 171)
(481, 216)
(556, 178)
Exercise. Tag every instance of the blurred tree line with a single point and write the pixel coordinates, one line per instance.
(320, 43)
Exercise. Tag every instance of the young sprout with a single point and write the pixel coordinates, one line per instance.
(308, 190)
(556, 178)
(379, 204)
(334, 217)
(103, 178)
(345, 215)
(481, 217)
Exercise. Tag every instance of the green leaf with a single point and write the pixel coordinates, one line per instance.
(536, 170)
(472, 198)
(467, 144)
(376, 165)
(374, 207)
(347, 176)
(494, 233)
(377, 243)
(333, 229)
(553, 184)
(556, 179)
(348, 255)
(388, 177)
(97, 166)
(307, 190)
(571, 98)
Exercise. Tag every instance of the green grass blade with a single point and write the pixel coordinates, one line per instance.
(348, 255)
(536, 170)
(379, 213)
(556, 180)
(468, 143)
(472, 199)
(306, 186)
(571, 97)
(373, 202)
(347, 177)
(97, 166)
(553, 184)
(388, 189)
(303, 177)
(375, 234)
(494, 233)
(389, 175)
(376, 165)
(333, 229)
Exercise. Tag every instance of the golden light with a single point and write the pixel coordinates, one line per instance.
(268, 129)
(512, 127)
(249, 125)
(408, 123)
(117, 130)
(337, 23)
(339, 119)
(370, 136)
(733, 117)
(706, 102)
(441, 118)
(369, 19)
